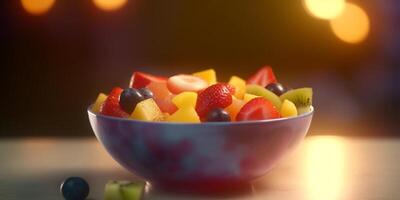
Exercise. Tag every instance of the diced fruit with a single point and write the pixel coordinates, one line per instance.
(301, 97)
(263, 77)
(184, 115)
(218, 115)
(235, 107)
(183, 82)
(260, 91)
(162, 117)
(288, 109)
(129, 98)
(146, 110)
(216, 96)
(146, 93)
(111, 105)
(185, 99)
(123, 190)
(276, 88)
(247, 97)
(163, 97)
(97, 104)
(240, 86)
(208, 75)
(141, 80)
(74, 188)
(257, 109)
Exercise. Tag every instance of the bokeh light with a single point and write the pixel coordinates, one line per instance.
(37, 7)
(109, 5)
(352, 25)
(325, 168)
(325, 9)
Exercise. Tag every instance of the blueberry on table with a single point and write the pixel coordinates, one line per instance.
(146, 93)
(129, 98)
(74, 188)
(218, 115)
(276, 88)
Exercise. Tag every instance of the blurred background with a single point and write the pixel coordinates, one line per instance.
(58, 55)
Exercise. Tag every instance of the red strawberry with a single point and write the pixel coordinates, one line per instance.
(111, 105)
(182, 82)
(257, 109)
(263, 77)
(141, 80)
(216, 96)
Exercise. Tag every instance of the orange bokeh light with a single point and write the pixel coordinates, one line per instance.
(37, 7)
(324, 9)
(352, 25)
(109, 5)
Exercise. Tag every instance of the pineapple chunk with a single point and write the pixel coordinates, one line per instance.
(288, 109)
(147, 110)
(185, 99)
(240, 86)
(208, 75)
(184, 115)
(97, 104)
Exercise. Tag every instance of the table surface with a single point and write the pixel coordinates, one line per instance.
(323, 167)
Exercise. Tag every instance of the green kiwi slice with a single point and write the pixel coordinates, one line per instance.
(301, 97)
(123, 190)
(260, 91)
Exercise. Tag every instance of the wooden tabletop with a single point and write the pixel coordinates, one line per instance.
(322, 168)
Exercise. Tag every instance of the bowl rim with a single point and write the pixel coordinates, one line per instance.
(97, 115)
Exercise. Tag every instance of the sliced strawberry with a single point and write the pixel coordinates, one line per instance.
(111, 105)
(216, 96)
(141, 80)
(185, 83)
(257, 109)
(263, 77)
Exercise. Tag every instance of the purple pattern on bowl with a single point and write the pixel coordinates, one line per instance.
(206, 156)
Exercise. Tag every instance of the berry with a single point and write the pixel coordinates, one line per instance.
(111, 106)
(129, 98)
(74, 188)
(257, 109)
(140, 80)
(276, 88)
(263, 77)
(216, 96)
(185, 83)
(218, 115)
(146, 93)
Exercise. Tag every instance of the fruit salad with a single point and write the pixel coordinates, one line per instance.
(200, 97)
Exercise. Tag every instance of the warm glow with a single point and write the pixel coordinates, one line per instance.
(37, 7)
(325, 9)
(352, 25)
(109, 5)
(324, 168)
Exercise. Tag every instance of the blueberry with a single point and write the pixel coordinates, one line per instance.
(218, 115)
(276, 88)
(74, 188)
(146, 93)
(129, 98)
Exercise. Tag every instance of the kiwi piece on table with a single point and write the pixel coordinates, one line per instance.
(260, 91)
(123, 190)
(301, 97)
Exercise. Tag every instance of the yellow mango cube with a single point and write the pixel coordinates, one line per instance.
(99, 101)
(147, 110)
(184, 115)
(288, 109)
(247, 97)
(208, 75)
(240, 86)
(185, 100)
